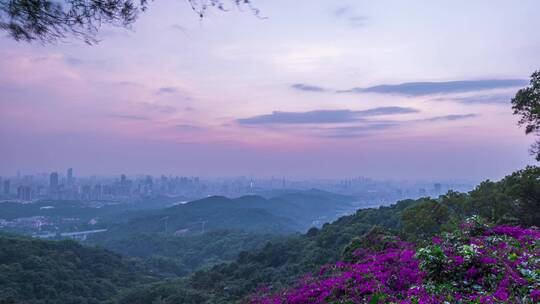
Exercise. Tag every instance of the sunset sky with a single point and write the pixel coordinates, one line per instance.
(310, 88)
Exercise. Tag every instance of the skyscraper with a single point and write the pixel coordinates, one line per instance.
(70, 176)
(6, 187)
(53, 181)
(125, 185)
(24, 193)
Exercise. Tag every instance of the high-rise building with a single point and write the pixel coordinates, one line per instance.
(97, 193)
(86, 193)
(6, 187)
(24, 193)
(125, 185)
(53, 181)
(148, 186)
(70, 176)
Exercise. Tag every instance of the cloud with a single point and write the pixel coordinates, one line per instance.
(357, 21)
(319, 116)
(451, 117)
(342, 11)
(446, 87)
(358, 131)
(167, 90)
(188, 128)
(129, 117)
(164, 109)
(369, 127)
(387, 111)
(322, 116)
(352, 18)
(307, 87)
(178, 27)
(77, 62)
(127, 83)
(482, 99)
(73, 61)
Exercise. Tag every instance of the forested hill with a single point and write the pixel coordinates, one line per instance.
(292, 212)
(172, 240)
(36, 271)
(515, 199)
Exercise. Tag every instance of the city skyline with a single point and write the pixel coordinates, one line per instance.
(56, 186)
(64, 176)
(387, 90)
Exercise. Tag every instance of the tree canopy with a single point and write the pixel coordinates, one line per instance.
(49, 20)
(526, 104)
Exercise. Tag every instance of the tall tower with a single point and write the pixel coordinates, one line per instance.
(6, 187)
(70, 176)
(53, 181)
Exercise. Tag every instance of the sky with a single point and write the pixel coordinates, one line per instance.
(309, 88)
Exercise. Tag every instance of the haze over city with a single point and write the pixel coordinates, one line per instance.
(330, 89)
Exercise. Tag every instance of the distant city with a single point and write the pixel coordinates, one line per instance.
(123, 188)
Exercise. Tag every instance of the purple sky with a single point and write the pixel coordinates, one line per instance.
(319, 88)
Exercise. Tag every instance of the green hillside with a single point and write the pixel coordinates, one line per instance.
(36, 271)
(173, 240)
(279, 215)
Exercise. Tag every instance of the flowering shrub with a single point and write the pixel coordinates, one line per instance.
(476, 264)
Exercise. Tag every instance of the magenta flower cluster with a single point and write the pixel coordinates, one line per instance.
(476, 264)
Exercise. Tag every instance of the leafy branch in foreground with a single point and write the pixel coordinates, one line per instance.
(526, 104)
(48, 21)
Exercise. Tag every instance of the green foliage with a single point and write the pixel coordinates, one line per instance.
(523, 189)
(513, 200)
(481, 259)
(425, 218)
(526, 104)
(376, 239)
(36, 271)
(181, 255)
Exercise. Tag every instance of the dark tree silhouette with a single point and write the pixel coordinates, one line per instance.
(51, 20)
(526, 104)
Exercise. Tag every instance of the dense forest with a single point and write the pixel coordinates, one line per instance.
(36, 271)
(187, 237)
(179, 256)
